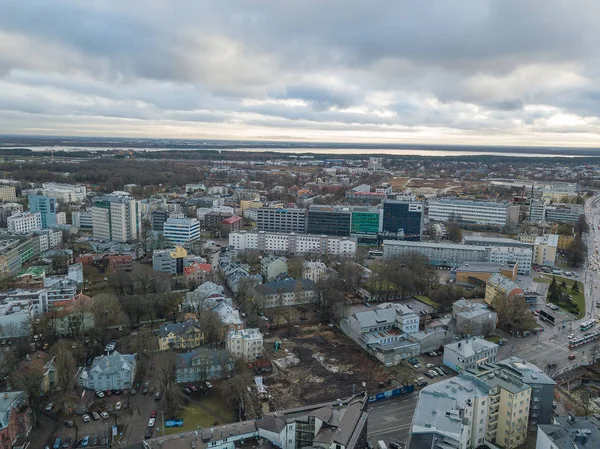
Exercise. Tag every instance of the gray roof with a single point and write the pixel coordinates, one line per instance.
(494, 241)
(177, 328)
(376, 317)
(286, 286)
(470, 346)
(480, 267)
(527, 372)
(110, 364)
(216, 357)
(271, 423)
(573, 432)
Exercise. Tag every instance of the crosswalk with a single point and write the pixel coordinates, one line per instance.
(387, 430)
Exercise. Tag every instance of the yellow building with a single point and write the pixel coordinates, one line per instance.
(499, 289)
(544, 250)
(250, 204)
(508, 411)
(184, 335)
(564, 241)
(528, 238)
(8, 194)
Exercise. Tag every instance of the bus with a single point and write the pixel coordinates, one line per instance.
(587, 325)
(375, 253)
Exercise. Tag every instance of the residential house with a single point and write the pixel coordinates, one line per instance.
(41, 361)
(313, 270)
(196, 273)
(203, 364)
(109, 372)
(273, 267)
(186, 335)
(290, 292)
(467, 354)
(474, 318)
(246, 344)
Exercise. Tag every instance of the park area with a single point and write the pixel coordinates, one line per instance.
(205, 412)
(568, 294)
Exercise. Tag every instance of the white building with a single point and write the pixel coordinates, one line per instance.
(439, 254)
(64, 192)
(245, 343)
(469, 353)
(313, 270)
(24, 222)
(506, 254)
(180, 230)
(109, 372)
(116, 217)
(82, 219)
(61, 218)
(49, 238)
(467, 211)
(293, 243)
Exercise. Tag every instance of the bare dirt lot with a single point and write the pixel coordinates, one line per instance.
(319, 363)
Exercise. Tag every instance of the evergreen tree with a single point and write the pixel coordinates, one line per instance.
(553, 293)
(575, 288)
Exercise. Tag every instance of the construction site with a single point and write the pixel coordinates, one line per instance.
(316, 363)
(579, 391)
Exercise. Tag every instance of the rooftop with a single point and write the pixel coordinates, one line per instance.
(502, 283)
(480, 267)
(286, 286)
(454, 246)
(526, 371)
(471, 346)
(573, 432)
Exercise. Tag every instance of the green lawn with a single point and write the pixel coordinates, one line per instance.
(578, 298)
(425, 299)
(203, 414)
(493, 338)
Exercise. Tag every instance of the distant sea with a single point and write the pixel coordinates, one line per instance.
(481, 151)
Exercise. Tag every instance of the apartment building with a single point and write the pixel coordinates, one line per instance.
(15, 251)
(46, 206)
(246, 344)
(172, 261)
(186, 335)
(402, 220)
(281, 220)
(500, 289)
(469, 353)
(8, 194)
(537, 211)
(179, 230)
(473, 212)
(158, 219)
(82, 219)
(8, 209)
(64, 192)
(292, 243)
(273, 267)
(289, 292)
(24, 222)
(116, 218)
(439, 254)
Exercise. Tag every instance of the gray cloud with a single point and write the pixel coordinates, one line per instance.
(307, 69)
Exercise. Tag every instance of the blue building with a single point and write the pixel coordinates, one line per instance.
(402, 220)
(46, 206)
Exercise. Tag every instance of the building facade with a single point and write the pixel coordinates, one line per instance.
(158, 218)
(109, 372)
(439, 254)
(46, 206)
(203, 364)
(281, 220)
(402, 220)
(325, 220)
(8, 209)
(186, 335)
(180, 230)
(24, 222)
(469, 353)
(116, 218)
(290, 292)
(273, 267)
(8, 194)
(246, 344)
(469, 212)
(64, 192)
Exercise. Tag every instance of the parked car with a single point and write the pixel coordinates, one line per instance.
(429, 365)
(571, 356)
(438, 370)
(100, 394)
(157, 396)
(428, 374)
(69, 423)
(435, 374)
(94, 441)
(151, 422)
(417, 366)
(422, 383)
(85, 441)
(66, 442)
(153, 414)
(86, 418)
(104, 415)
(96, 416)
(148, 433)
(132, 392)
(186, 390)
(208, 384)
(56, 444)
(118, 405)
(444, 370)
(145, 390)
(49, 407)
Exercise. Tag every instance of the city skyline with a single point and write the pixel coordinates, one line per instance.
(490, 73)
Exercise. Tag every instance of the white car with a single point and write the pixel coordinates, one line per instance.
(429, 365)
(86, 418)
(100, 394)
(118, 405)
(571, 336)
(104, 415)
(151, 422)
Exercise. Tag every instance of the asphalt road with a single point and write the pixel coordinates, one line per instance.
(391, 418)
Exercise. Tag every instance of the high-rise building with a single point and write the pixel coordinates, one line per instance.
(325, 220)
(82, 219)
(24, 222)
(46, 206)
(180, 230)
(402, 220)
(281, 220)
(116, 217)
(366, 224)
(8, 193)
(158, 219)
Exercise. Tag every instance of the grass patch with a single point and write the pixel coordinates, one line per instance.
(578, 298)
(425, 299)
(493, 338)
(205, 413)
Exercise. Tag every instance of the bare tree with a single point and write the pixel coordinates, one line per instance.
(66, 366)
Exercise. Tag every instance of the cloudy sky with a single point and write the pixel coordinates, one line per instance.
(474, 72)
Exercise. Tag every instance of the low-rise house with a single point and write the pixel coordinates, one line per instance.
(41, 361)
(109, 372)
(186, 335)
(289, 292)
(15, 418)
(313, 270)
(203, 364)
(246, 344)
(196, 273)
(273, 267)
(474, 318)
(467, 354)
(500, 289)
(107, 263)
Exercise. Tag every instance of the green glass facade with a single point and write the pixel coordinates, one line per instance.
(365, 222)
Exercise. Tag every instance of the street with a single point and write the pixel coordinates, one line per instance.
(391, 418)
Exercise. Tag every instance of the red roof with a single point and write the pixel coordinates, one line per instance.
(206, 267)
(231, 220)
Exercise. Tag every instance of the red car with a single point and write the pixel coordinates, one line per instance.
(108, 393)
(571, 356)
(153, 414)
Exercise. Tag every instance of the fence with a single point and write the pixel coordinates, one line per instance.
(392, 393)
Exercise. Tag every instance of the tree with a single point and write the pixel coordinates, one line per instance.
(581, 226)
(66, 366)
(575, 288)
(454, 232)
(576, 251)
(167, 378)
(553, 291)
(211, 326)
(29, 379)
(514, 313)
(145, 234)
(236, 392)
(107, 312)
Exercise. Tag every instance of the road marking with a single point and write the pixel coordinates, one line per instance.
(389, 430)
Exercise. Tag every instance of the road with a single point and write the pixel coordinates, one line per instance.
(391, 418)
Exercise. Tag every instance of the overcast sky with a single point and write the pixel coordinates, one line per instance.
(444, 71)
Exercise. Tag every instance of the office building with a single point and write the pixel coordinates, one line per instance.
(469, 353)
(470, 212)
(24, 222)
(116, 218)
(172, 261)
(569, 432)
(46, 206)
(8, 194)
(366, 224)
(179, 230)
(324, 220)
(544, 249)
(563, 213)
(473, 318)
(402, 220)
(504, 250)
(64, 192)
(292, 243)
(438, 254)
(211, 219)
(537, 211)
(250, 204)
(246, 344)
(8, 209)
(157, 219)
(281, 220)
(82, 219)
